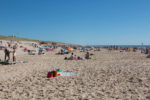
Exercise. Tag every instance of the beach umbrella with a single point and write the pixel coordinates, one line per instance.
(64, 49)
(47, 49)
(41, 48)
(84, 49)
(69, 49)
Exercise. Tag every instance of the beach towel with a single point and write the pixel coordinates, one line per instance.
(60, 72)
(68, 73)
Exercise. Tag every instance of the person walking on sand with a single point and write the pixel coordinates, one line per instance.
(7, 54)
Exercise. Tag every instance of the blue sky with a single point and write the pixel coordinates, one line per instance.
(86, 22)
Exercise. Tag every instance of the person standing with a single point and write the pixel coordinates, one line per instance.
(14, 55)
(7, 54)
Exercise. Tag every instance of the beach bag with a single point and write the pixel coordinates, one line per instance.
(49, 74)
(55, 73)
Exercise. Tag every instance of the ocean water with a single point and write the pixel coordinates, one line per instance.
(134, 46)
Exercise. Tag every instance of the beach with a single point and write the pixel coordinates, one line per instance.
(109, 75)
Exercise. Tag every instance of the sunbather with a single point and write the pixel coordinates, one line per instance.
(79, 58)
(41, 52)
(87, 55)
(71, 57)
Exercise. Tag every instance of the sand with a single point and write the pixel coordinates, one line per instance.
(111, 76)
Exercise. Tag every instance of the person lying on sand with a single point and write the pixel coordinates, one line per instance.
(79, 58)
(70, 58)
(41, 52)
(31, 52)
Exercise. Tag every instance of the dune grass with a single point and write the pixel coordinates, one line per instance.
(16, 38)
(25, 39)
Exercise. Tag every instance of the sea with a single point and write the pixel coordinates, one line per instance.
(133, 46)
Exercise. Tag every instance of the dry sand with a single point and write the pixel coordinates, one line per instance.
(112, 76)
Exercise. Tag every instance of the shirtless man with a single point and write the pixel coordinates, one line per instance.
(7, 54)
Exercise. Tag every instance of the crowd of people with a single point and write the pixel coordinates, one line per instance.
(75, 57)
(11, 47)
